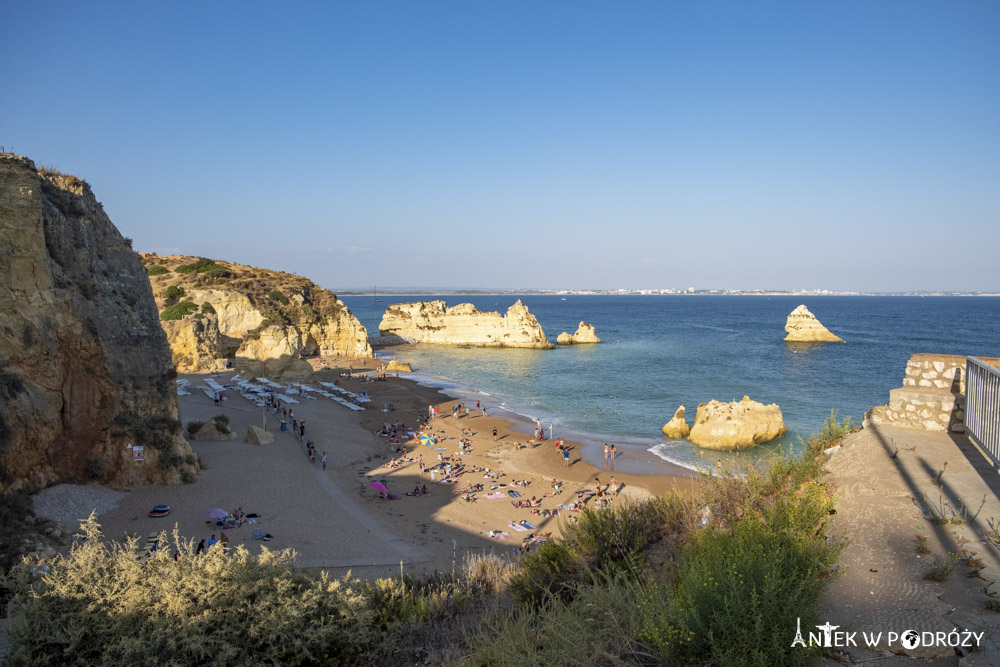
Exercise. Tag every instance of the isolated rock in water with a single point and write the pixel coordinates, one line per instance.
(677, 427)
(398, 366)
(258, 436)
(85, 369)
(433, 322)
(803, 327)
(585, 334)
(737, 425)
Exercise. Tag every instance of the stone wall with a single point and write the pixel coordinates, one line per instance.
(932, 397)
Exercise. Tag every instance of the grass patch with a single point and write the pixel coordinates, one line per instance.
(157, 270)
(943, 568)
(178, 311)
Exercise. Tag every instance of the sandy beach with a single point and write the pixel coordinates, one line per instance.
(334, 519)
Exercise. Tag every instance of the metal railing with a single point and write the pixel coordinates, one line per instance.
(982, 407)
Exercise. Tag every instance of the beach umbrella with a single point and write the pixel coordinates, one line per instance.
(378, 486)
(426, 439)
(216, 514)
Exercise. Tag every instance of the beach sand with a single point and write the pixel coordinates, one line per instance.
(334, 519)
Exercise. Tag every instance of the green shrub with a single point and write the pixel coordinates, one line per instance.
(188, 477)
(221, 422)
(220, 281)
(207, 308)
(173, 292)
(101, 605)
(274, 317)
(737, 593)
(193, 427)
(178, 311)
(276, 295)
(157, 270)
(199, 266)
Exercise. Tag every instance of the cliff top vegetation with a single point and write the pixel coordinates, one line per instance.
(290, 297)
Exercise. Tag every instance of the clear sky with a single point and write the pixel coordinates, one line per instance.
(778, 145)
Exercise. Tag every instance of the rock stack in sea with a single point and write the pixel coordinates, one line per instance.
(86, 367)
(677, 427)
(737, 425)
(803, 327)
(267, 320)
(584, 334)
(434, 322)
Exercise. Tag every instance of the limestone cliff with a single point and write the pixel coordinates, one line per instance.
(584, 334)
(268, 320)
(196, 344)
(433, 322)
(737, 425)
(85, 368)
(803, 327)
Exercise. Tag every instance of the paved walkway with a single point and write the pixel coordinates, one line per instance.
(900, 492)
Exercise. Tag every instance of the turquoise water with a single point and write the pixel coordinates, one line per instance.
(663, 351)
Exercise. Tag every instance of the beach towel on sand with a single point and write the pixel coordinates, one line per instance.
(496, 496)
(528, 525)
(514, 494)
(518, 527)
(498, 535)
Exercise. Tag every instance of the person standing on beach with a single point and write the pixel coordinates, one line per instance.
(323, 460)
(430, 412)
(494, 434)
(613, 454)
(565, 458)
(606, 452)
(201, 547)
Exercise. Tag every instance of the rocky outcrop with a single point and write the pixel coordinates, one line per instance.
(195, 344)
(803, 327)
(85, 369)
(258, 436)
(253, 309)
(433, 322)
(584, 334)
(398, 366)
(274, 351)
(212, 431)
(677, 427)
(737, 425)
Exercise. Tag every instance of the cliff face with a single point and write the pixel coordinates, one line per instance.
(84, 366)
(195, 344)
(434, 322)
(803, 327)
(267, 320)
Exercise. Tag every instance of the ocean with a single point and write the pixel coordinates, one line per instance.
(660, 352)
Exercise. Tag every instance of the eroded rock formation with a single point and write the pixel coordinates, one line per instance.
(677, 427)
(803, 327)
(267, 320)
(433, 322)
(584, 334)
(195, 344)
(737, 425)
(85, 369)
(398, 366)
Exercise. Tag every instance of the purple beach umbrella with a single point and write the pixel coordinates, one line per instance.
(378, 486)
(216, 514)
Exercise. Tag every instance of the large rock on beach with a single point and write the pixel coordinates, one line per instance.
(398, 366)
(677, 427)
(737, 425)
(434, 322)
(803, 327)
(86, 369)
(258, 436)
(584, 334)
(211, 432)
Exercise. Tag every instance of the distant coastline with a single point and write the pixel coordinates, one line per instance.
(414, 292)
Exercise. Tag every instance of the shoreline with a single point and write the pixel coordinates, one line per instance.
(634, 455)
(334, 519)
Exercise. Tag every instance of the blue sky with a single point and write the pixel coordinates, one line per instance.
(836, 145)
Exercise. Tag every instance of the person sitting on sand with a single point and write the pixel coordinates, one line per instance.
(416, 490)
